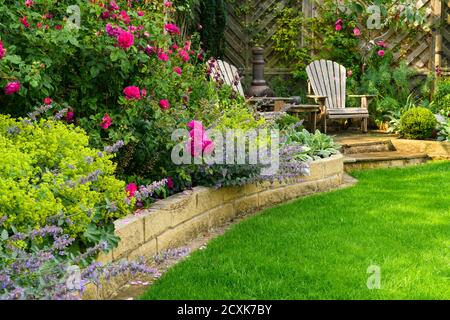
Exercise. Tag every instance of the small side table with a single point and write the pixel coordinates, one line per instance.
(312, 109)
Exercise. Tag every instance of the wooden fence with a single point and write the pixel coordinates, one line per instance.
(245, 24)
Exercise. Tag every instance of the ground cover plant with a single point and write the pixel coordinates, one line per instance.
(321, 247)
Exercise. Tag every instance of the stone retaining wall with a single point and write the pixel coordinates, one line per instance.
(434, 149)
(174, 221)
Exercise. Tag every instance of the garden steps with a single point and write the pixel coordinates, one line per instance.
(376, 151)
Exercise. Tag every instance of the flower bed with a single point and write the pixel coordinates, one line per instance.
(175, 220)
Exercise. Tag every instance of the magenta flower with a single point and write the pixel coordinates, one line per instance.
(143, 92)
(338, 27)
(356, 32)
(172, 29)
(381, 53)
(70, 115)
(12, 87)
(141, 13)
(163, 56)
(24, 22)
(113, 6)
(131, 189)
(105, 15)
(113, 31)
(339, 21)
(125, 40)
(167, 4)
(382, 44)
(132, 92)
(169, 183)
(106, 121)
(123, 15)
(29, 3)
(184, 55)
(194, 124)
(2, 51)
(177, 70)
(48, 101)
(164, 104)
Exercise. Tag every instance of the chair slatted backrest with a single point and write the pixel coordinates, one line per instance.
(328, 79)
(229, 74)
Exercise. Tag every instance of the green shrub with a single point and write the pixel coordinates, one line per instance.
(417, 123)
(48, 171)
(442, 97)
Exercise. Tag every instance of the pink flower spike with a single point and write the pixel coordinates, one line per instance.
(12, 87)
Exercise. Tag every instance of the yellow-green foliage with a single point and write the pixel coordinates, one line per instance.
(42, 168)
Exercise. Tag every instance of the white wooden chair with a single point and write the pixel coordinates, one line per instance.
(328, 81)
(223, 72)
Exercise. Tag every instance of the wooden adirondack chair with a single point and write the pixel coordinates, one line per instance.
(229, 74)
(328, 82)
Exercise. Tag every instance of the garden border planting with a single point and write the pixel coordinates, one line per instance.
(173, 221)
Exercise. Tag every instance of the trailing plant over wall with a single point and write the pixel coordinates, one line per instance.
(213, 22)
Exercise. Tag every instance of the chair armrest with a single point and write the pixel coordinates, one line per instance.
(320, 100)
(361, 95)
(365, 99)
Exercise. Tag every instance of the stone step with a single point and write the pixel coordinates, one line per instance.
(384, 159)
(367, 147)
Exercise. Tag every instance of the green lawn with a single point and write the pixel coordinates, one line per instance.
(320, 247)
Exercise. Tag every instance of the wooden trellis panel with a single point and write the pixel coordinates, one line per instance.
(445, 32)
(255, 22)
(260, 22)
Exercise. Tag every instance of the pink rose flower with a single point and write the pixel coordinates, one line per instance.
(163, 56)
(172, 29)
(164, 104)
(338, 27)
(167, 4)
(70, 115)
(124, 17)
(125, 40)
(12, 87)
(356, 32)
(58, 27)
(48, 101)
(132, 92)
(113, 31)
(2, 51)
(141, 13)
(184, 55)
(143, 92)
(177, 70)
(381, 53)
(113, 6)
(338, 21)
(105, 15)
(106, 121)
(131, 189)
(29, 3)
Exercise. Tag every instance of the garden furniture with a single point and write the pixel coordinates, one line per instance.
(312, 109)
(328, 82)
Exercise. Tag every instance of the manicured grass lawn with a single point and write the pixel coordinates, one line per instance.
(320, 247)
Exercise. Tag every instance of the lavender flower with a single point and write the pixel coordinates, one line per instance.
(115, 147)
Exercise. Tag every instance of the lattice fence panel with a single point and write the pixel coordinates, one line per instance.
(445, 31)
(259, 22)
